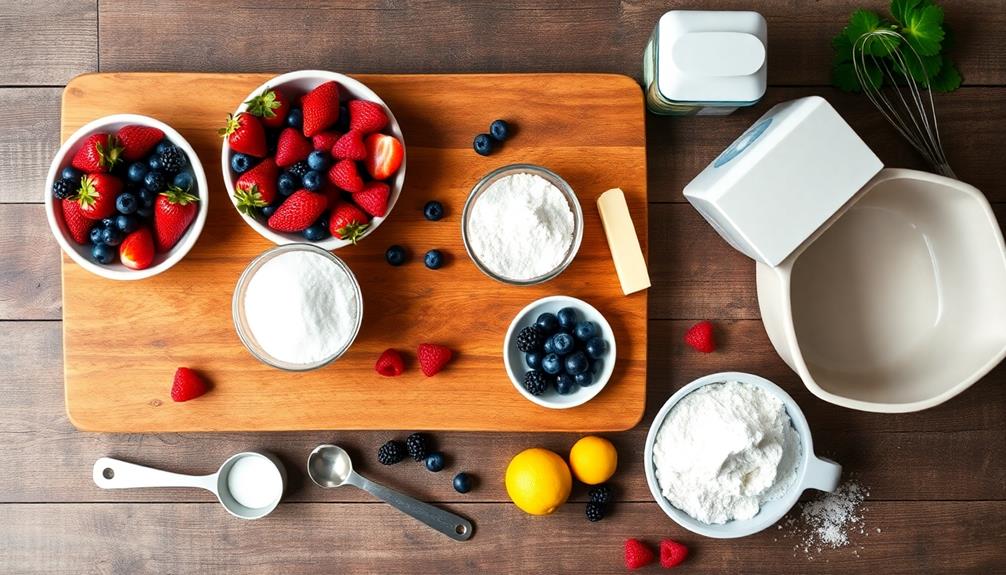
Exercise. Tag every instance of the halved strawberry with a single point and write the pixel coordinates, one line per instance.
(384, 155)
(324, 141)
(345, 175)
(366, 117)
(298, 212)
(96, 195)
(174, 210)
(245, 134)
(350, 147)
(347, 222)
(77, 224)
(137, 250)
(98, 153)
(256, 188)
(374, 198)
(272, 106)
(321, 108)
(137, 140)
(292, 147)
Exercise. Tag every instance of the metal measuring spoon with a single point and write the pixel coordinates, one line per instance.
(109, 473)
(330, 466)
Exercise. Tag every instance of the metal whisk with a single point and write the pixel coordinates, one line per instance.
(910, 111)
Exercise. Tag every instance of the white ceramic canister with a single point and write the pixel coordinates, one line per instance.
(705, 62)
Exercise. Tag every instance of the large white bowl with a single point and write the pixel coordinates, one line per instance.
(813, 472)
(301, 82)
(81, 254)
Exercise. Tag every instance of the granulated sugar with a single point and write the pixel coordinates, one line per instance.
(827, 521)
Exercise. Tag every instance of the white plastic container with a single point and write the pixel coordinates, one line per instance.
(705, 62)
(882, 288)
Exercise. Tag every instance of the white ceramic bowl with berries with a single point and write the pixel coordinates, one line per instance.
(81, 251)
(360, 188)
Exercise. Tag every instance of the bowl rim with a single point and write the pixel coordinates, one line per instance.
(583, 395)
(179, 251)
(352, 86)
(553, 178)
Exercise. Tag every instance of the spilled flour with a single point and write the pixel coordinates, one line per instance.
(827, 521)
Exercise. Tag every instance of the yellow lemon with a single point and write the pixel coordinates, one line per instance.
(593, 459)
(538, 481)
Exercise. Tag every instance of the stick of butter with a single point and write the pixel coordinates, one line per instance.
(622, 239)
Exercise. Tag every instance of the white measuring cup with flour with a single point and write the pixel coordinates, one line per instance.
(249, 485)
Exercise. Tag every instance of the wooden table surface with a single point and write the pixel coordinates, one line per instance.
(937, 479)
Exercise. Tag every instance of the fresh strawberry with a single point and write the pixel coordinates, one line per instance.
(390, 363)
(345, 175)
(256, 188)
(174, 210)
(332, 192)
(137, 250)
(347, 222)
(373, 199)
(366, 117)
(245, 134)
(432, 358)
(321, 108)
(272, 106)
(298, 212)
(672, 553)
(96, 195)
(292, 147)
(384, 155)
(325, 141)
(700, 337)
(350, 147)
(137, 140)
(187, 385)
(637, 554)
(98, 153)
(76, 222)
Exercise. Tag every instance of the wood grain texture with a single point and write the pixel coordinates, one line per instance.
(47, 42)
(29, 137)
(29, 288)
(105, 391)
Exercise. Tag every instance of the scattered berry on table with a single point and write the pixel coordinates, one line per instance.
(530, 339)
(499, 130)
(366, 117)
(111, 236)
(672, 553)
(137, 250)
(700, 337)
(173, 160)
(126, 203)
(595, 511)
(637, 554)
(483, 144)
(600, 494)
(154, 181)
(391, 453)
(186, 385)
(298, 212)
(567, 318)
(576, 362)
(241, 163)
(103, 254)
(312, 181)
(533, 359)
(395, 255)
(435, 461)
(317, 160)
(374, 199)
(295, 119)
(595, 347)
(584, 379)
(350, 147)
(433, 210)
(432, 358)
(348, 222)
(154, 163)
(316, 233)
(390, 364)
(463, 482)
(535, 382)
(136, 171)
(416, 444)
(287, 183)
(183, 180)
(562, 343)
(62, 189)
(547, 323)
(97, 154)
(384, 155)
(126, 224)
(137, 141)
(245, 134)
(585, 330)
(564, 384)
(551, 364)
(71, 173)
(320, 108)
(433, 259)
(174, 211)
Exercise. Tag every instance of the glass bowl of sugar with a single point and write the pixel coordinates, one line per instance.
(522, 224)
(297, 307)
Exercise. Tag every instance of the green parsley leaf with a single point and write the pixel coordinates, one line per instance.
(843, 49)
(844, 77)
(902, 9)
(924, 68)
(924, 30)
(948, 80)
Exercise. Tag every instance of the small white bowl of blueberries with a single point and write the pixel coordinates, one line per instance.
(559, 352)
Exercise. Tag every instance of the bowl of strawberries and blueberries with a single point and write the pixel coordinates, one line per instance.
(313, 156)
(124, 192)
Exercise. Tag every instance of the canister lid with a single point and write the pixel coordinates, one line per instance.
(711, 56)
(783, 178)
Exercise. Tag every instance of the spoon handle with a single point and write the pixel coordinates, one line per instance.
(451, 525)
(111, 473)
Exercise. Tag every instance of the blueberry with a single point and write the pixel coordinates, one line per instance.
(395, 255)
(483, 144)
(433, 210)
(318, 160)
(136, 171)
(162, 146)
(312, 181)
(584, 379)
(463, 482)
(287, 183)
(548, 345)
(95, 234)
(126, 203)
(126, 224)
(342, 125)
(596, 366)
(316, 233)
(595, 347)
(111, 236)
(551, 364)
(183, 181)
(567, 318)
(435, 461)
(241, 163)
(434, 259)
(565, 384)
(585, 330)
(145, 212)
(268, 211)
(562, 343)
(147, 197)
(154, 181)
(154, 162)
(547, 323)
(533, 359)
(103, 254)
(499, 130)
(295, 118)
(576, 362)
(108, 222)
(71, 173)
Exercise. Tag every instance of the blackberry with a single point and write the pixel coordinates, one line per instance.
(595, 511)
(172, 160)
(63, 188)
(530, 339)
(535, 382)
(391, 453)
(600, 494)
(299, 169)
(416, 444)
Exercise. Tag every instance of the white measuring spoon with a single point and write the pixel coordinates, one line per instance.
(255, 469)
(330, 466)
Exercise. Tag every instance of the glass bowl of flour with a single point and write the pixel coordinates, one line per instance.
(522, 224)
(297, 307)
(729, 454)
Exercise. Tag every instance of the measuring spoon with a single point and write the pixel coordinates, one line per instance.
(330, 466)
(250, 493)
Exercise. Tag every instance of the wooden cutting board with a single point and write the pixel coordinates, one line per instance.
(123, 340)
